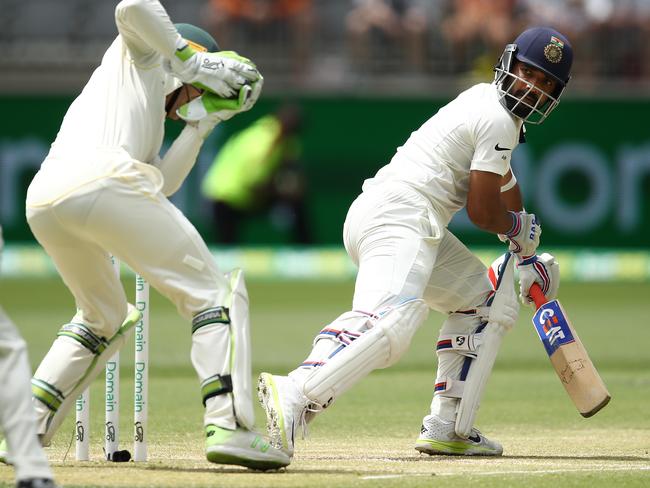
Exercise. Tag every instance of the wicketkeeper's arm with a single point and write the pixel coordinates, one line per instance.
(201, 115)
(146, 29)
(180, 159)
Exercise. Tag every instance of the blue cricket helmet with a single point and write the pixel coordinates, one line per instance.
(548, 50)
(543, 48)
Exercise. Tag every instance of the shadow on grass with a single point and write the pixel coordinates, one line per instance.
(529, 457)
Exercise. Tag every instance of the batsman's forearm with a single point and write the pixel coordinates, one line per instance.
(494, 218)
(180, 158)
(512, 199)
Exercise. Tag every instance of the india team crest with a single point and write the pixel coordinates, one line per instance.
(553, 50)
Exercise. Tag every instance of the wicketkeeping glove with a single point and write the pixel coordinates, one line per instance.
(543, 270)
(523, 236)
(222, 73)
(209, 109)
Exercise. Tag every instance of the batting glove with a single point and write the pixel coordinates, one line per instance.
(507, 312)
(523, 236)
(208, 110)
(543, 270)
(223, 73)
(506, 315)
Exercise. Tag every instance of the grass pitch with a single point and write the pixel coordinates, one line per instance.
(366, 438)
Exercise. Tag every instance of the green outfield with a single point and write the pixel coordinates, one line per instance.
(366, 438)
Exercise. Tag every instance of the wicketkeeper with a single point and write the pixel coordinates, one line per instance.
(103, 190)
(409, 262)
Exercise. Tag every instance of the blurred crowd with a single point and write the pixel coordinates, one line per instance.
(429, 37)
(315, 44)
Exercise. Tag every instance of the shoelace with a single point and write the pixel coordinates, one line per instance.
(305, 418)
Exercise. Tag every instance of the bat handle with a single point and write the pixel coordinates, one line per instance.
(536, 294)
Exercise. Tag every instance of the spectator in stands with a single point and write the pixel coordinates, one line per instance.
(384, 24)
(258, 170)
(283, 26)
(624, 36)
(573, 19)
(477, 30)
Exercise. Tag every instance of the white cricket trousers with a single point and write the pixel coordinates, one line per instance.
(403, 250)
(111, 205)
(16, 410)
(122, 213)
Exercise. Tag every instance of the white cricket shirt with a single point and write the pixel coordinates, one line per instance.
(122, 107)
(472, 132)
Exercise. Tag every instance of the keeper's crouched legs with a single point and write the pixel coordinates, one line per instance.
(76, 357)
(221, 355)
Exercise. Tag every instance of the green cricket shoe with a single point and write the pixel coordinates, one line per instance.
(243, 448)
(438, 437)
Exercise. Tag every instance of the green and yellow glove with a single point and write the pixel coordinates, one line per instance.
(206, 111)
(224, 73)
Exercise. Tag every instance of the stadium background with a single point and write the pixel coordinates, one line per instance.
(584, 171)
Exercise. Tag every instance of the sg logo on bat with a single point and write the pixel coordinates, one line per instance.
(552, 327)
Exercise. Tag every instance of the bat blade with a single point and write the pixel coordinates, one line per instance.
(569, 357)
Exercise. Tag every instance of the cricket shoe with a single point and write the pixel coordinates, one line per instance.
(37, 483)
(286, 409)
(4, 452)
(438, 436)
(242, 447)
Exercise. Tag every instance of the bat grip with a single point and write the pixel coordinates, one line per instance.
(536, 294)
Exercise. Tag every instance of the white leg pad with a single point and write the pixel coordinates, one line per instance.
(221, 355)
(382, 345)
(481, 367)
(458, 343)
(64, 397)
(463, 344)
(241, 360)
(448, 387)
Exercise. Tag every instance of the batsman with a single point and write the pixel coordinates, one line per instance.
(409, 262)
(102, 190)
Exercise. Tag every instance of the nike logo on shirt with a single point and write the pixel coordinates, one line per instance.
(499, 148)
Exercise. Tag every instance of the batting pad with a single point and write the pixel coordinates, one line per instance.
(381, 346)
(98, 364)
(240, 360)
(481, 367)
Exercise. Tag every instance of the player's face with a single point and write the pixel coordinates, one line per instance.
(180, 97)
(533, 78)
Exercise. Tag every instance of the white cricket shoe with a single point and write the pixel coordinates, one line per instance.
(285, 408)
(438, 436)
(242, 447)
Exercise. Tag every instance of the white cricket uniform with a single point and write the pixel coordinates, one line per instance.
(102, 190)
(396, 230)
(17, 417)
(399, 222)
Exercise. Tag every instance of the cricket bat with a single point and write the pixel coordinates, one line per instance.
(568, 356)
